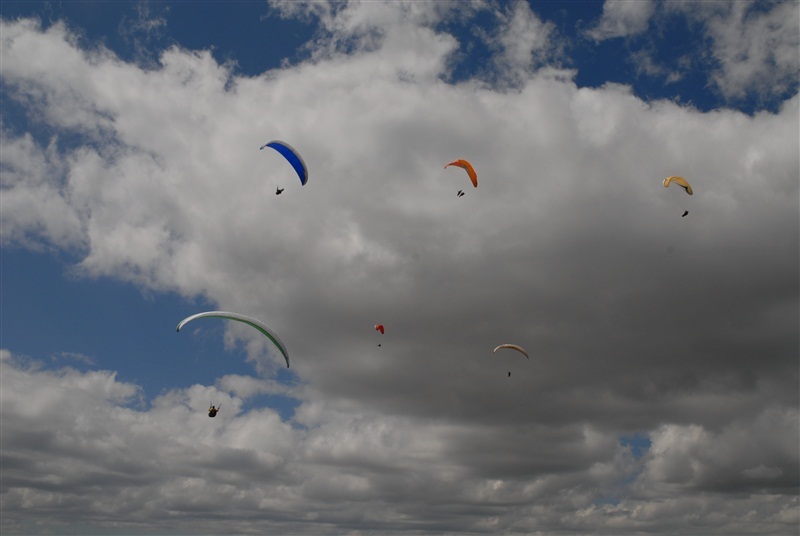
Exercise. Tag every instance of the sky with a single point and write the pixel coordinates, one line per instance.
(662, 391)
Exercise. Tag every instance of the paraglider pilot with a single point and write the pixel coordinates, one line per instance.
(212, 411)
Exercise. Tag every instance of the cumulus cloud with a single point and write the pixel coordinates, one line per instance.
(73, 438)
(638, 321)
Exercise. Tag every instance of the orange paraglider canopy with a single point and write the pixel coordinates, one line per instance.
(469, 169)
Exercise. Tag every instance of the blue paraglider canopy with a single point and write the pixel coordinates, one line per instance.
(292, 156)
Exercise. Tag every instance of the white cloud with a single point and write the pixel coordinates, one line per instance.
(747, 49)
(402, 30)
(246, 386)
(74, 356)
(623, 18)
(760, 54)
(523, 43)
(755, 44)
(34, 206)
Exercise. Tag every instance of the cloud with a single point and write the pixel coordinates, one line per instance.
(33, 198)
(522, 44)
(757, 453)
(757, 50)
(142, 31)
(639, 322)
(74, 356)
(754, 45)
(746, 49)
(72, 438)
(622, 18)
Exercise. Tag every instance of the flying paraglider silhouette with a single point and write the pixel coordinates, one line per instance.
(470, 171)
(516, 347)
(212, 411)
(291, 156)
(379, 327)
(683, 183)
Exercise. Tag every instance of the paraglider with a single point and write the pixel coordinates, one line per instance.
(292, 156)
(379, 327)
(683, 183)
(278, 191)
(259, 325)
(518, 348)
(460, 193)
(468, 168)
(212, 411)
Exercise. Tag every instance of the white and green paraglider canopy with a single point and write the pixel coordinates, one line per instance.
(258, 324)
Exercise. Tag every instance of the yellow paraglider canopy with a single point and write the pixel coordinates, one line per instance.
(680, 181)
